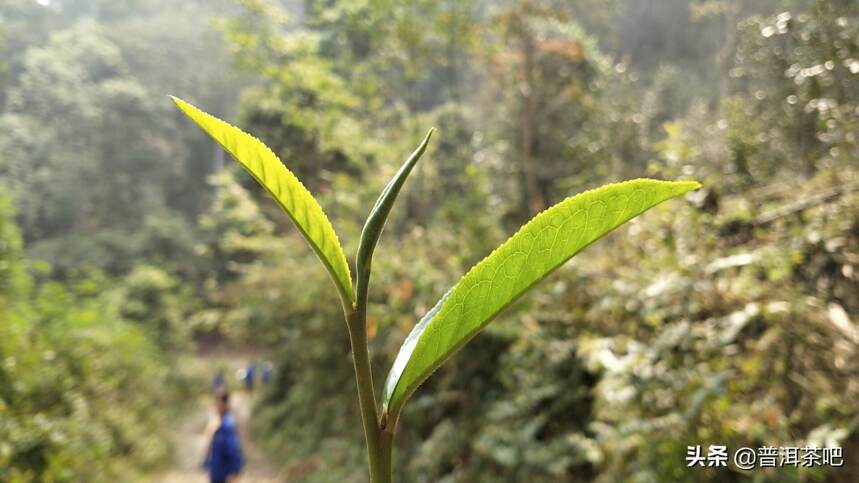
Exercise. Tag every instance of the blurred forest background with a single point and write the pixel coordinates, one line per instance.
(127, 239)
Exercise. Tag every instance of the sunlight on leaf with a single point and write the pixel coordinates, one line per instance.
(536, 250)
(286, 189)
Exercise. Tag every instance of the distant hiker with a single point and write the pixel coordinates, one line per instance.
(224, 460)
(219, 381)
(267, 369)
(249, 376)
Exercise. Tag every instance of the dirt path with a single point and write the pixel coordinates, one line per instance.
(190, 440)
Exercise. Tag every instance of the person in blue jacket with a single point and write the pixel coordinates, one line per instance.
(219, 381)
(267, 369)
(224, 459)
(250, 373)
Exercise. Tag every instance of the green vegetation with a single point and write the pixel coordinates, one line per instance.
(130, 244)
(537, 249)
(290, 194)
(79, 384)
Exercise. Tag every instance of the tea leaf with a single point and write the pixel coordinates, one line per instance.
(301, 207)
(378, 216)
(536, 250)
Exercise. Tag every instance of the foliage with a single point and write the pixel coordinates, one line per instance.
(537, 249)
(101, 413)
(812, 114)
(290, 194)
(12, 274)
(448, 436)
(156, 302)
(76, 109)
(736, 326)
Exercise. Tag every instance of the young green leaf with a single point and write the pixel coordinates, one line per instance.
(378, 216)
(536, 250)
(301, 207)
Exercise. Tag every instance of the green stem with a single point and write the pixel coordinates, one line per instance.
(378, 445)
(386, 440)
